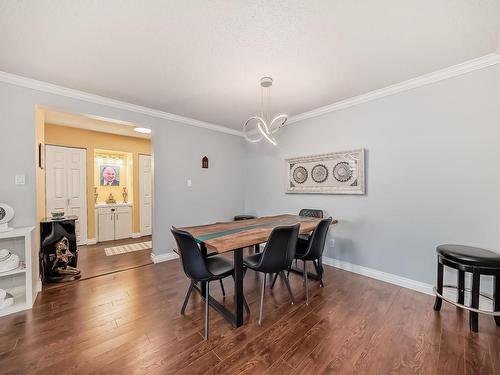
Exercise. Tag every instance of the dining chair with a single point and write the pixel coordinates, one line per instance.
(276, 257)
(312, 251)
(311, 212)
(201, 269)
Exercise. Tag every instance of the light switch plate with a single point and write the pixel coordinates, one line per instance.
(20, 179)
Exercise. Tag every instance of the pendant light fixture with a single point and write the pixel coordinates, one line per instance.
(257, 128)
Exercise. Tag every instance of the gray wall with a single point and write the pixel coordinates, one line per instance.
(177, 150)
(433, 173)
(216, 193)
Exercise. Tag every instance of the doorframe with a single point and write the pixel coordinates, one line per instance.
(86, 239)
(140, 194)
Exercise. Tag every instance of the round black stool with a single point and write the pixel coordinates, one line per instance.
(478, 262)
(243, 217)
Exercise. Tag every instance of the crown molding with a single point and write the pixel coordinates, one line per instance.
(439, 75)
(427, 79)
(50, 88)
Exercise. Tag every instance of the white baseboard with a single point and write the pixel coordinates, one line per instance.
(158, 258)
(380, 275)
(136, 235)
(91, 241)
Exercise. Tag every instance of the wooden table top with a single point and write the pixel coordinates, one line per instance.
(227, 236)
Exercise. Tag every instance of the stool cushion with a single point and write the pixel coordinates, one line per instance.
(472, 256)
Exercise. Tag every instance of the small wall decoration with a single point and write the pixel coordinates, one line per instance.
(204, 162)
(109, 175)
(333, 173)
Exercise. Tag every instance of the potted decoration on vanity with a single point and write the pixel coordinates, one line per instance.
(111, 199)
(125, 195)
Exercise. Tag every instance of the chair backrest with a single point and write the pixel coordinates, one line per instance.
(192, 259)
(317, 240)
(280, 249)
(310, 212)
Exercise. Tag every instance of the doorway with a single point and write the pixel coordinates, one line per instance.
(146, 194)
(65, 185)
(100, 171)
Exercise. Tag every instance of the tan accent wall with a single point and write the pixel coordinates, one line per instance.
(91, 140)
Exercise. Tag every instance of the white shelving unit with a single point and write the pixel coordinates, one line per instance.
(18, 282)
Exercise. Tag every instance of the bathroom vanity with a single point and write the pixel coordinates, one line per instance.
(114, 221)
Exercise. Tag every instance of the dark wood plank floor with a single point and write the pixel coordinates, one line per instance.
(129, 323)
(92, 259)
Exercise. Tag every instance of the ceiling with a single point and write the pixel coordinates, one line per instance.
(203, 59)
(87, 122)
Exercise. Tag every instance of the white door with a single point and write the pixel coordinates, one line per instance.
(66, 185)
(145, 194)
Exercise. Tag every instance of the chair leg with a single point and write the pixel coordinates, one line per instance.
(319, 273)
(222, 287)
(188, 294)
(207, 298)
(274, 280)
(262, 290)
(496, 298)
(461, 286)
(439, 301)
(474, 316)
(285, 279)
(305, 283)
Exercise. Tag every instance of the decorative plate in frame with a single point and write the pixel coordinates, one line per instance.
(333, 173)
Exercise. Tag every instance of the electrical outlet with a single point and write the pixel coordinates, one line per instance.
(332, 243)
(189, 184)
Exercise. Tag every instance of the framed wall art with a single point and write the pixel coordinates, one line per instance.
(333, 173)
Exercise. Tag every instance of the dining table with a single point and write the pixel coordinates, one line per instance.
(235, 236)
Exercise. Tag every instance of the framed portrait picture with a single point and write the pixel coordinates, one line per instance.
(333, 173)
(109, 175)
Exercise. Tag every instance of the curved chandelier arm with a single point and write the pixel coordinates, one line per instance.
(278, 122)
(245, 130)
(265, 132)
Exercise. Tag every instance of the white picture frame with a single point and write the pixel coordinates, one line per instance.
(340, 172)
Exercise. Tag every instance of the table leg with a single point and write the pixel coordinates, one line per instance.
(238, 287)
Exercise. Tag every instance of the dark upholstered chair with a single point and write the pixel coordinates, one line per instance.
(310, 212)
(478, 262)
(312, 251)
(200, 269)
(276, 257)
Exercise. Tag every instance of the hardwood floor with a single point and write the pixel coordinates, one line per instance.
(92, 260)
(129, 323)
